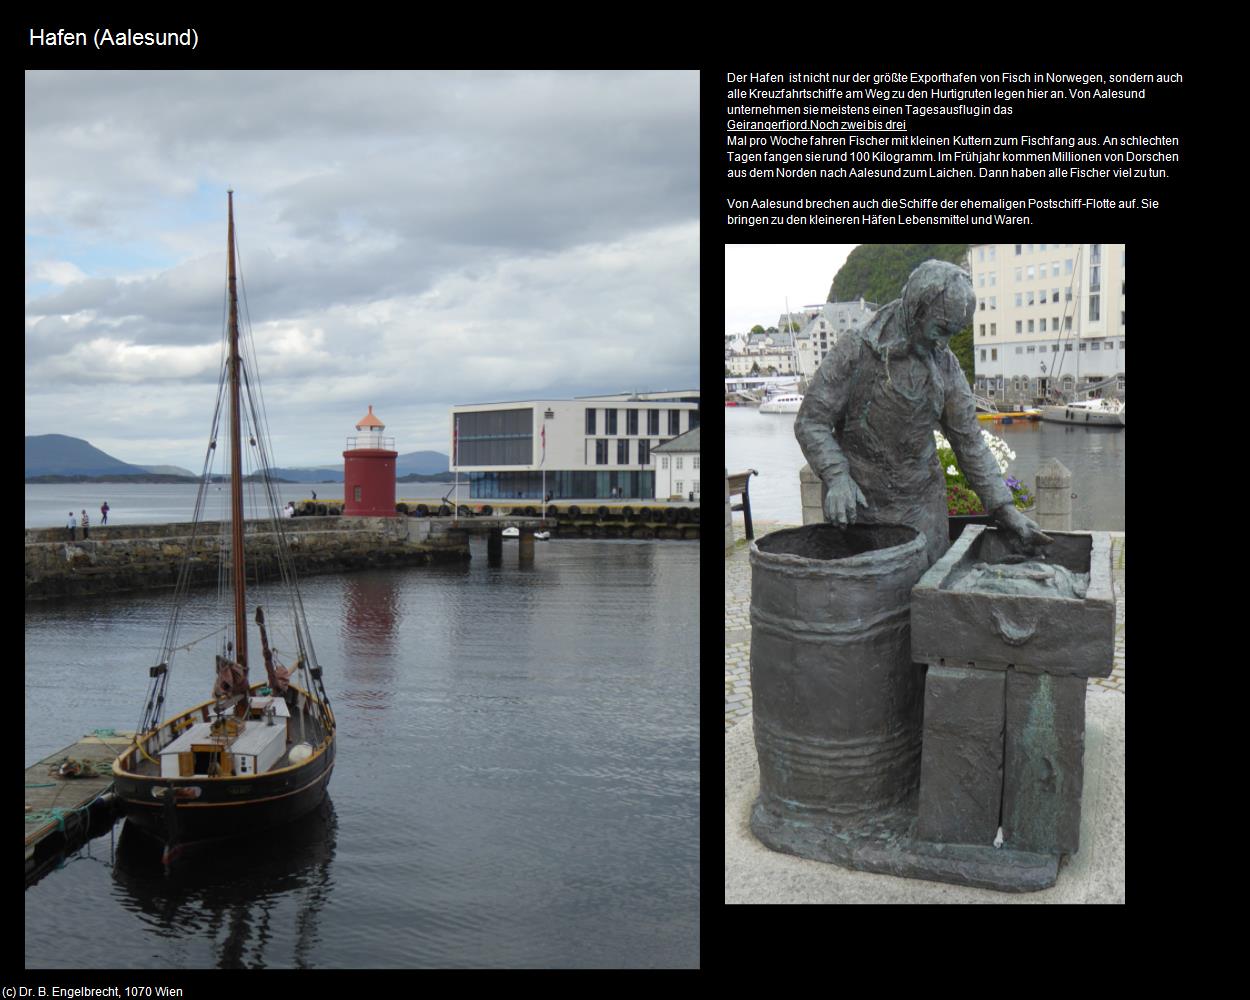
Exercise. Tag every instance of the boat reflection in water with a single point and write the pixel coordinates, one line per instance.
(257, 908)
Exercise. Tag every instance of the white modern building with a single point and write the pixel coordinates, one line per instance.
(677, 468)
(1049, 317)
(587, 447)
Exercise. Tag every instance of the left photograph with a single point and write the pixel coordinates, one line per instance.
(362, 517)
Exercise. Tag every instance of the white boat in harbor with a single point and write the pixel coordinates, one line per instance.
(542, 536)
(511, 532)
(1094, 412)
(788, 402)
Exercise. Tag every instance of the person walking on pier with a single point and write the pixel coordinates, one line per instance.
(84, 524)
(71, 525)
(104, 512)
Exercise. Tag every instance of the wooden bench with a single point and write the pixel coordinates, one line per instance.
(739, 485)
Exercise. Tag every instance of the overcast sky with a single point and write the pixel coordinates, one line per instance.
(759, 277)
(408, 240)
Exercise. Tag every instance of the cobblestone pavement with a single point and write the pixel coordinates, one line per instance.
(738, 624)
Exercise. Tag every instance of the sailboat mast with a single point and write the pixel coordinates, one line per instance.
(236, 462)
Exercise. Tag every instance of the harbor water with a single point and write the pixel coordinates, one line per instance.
(1094, 455)
(517, 782)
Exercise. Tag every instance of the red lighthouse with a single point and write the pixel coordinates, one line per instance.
(369, 471)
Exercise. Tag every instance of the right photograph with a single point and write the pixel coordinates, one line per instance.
(924, 535)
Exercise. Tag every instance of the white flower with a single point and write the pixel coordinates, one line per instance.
(951, 470)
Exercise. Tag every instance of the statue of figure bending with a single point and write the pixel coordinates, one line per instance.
(866, 424)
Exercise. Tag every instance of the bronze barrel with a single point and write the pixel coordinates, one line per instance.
(837, 701)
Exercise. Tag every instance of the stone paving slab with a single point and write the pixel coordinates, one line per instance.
(738, 624)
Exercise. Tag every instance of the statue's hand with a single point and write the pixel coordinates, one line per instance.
(841, 499)
(1026, 535)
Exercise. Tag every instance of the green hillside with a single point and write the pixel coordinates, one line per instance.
(878, 271)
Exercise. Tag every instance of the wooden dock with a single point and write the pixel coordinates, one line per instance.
(63, 812)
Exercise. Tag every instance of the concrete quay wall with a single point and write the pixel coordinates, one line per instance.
(141, 557)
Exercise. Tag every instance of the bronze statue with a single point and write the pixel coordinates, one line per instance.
(866, 424)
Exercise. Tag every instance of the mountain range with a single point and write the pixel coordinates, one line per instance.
(61, 455)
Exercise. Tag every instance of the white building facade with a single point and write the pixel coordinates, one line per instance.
(1049, 318)
(583, 448)
(677, 468)
(823, 325)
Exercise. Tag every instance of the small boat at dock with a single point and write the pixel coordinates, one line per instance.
(1087, 412)
(788, 402)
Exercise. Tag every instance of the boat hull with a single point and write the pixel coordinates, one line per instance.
(223, 807)
(1084, 417)
(208, 808)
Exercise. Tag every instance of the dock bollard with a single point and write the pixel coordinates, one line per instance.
(812, 496)
(1054, 496)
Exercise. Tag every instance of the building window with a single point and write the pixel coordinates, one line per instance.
(1067, 266)
(993, 353)
(1020, 350)
(1095, 253)
(694, 419)
(1029, 272)
(356, 494)
(982, 354)
(677, 462)
(992, 249)
(590, 422)
(622, 451)
(1019, 300)
(609, 422)
(1030, 326)
(653, 422)
(674, 422)
(644, 451)
(663, 461)
(1030, 298)
(1042, 326)
(1019, 274)
(1093, 308)
(993, 329)
(601, 452)
(631, 422)
(696, 463)
(677, 486)
(1018, 248)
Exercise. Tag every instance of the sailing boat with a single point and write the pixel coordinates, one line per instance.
(1097, 412)
(257, 753)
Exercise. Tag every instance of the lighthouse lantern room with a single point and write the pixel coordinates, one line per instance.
(369, 471)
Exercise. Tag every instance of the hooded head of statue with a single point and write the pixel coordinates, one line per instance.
(937, 302)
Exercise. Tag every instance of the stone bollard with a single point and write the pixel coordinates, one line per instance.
(812, 496)
(1054, 496)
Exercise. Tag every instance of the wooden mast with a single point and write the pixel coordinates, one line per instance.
(236, 469)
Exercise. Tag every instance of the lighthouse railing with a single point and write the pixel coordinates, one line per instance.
(370, 441)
